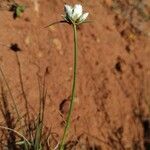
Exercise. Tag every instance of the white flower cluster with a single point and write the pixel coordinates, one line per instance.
(75, 14)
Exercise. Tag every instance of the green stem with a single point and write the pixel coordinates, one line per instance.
(73, 90)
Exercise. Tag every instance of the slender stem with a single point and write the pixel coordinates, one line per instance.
(73, 90)
(6, 128)
(23, 92)
(13, 100)
(9, 90)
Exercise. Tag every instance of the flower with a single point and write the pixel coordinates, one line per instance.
(75, 14)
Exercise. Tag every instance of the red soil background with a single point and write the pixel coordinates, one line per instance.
(113, 77)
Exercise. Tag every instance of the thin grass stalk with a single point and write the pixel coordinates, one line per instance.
(37, 133)
(8, 119)
(14, 104)
(24, 94)
(16, 132)
(68, 120)
(10, 93)
(39, 126)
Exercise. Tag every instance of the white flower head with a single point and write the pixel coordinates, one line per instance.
(75, 14)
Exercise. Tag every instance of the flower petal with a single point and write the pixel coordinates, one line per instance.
(77, 12)
(83, 17)
(68, 10)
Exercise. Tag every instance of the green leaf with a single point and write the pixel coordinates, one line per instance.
(19, 9)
